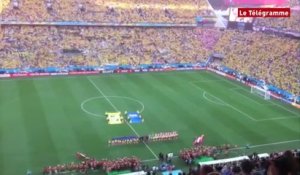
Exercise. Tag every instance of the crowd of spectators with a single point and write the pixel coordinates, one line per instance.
(290, 24)
(294, 3)
(282, 163)
(89, 164)
(278, 163)
(269, 57)
(121, 164)
(189, 154)
(62, 46)
(102, 11)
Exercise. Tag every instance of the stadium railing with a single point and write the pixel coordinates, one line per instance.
(233, 159)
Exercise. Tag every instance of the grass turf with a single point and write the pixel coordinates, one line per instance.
(42, 121)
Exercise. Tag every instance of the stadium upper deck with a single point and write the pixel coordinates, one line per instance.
(103, 11)
(60, 46)
(263, 57)
(269, 57)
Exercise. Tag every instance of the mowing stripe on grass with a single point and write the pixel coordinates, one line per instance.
(116, 109)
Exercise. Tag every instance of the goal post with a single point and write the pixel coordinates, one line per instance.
(261, 92)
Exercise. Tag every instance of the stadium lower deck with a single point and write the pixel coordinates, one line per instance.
(45, 121)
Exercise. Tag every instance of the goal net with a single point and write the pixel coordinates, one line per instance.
(261, 92)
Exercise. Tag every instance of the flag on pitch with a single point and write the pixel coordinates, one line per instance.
(199, 140)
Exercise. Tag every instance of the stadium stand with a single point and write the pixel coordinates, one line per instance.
(281, 163)
(125, 163)
(294, 3)
(126, 11)
(188, 155)
(277, 163)
(271, 58)
(287, 24)
(61, 46)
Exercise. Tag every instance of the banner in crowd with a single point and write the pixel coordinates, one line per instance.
(4, 75)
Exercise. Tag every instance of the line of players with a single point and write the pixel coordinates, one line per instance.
(162, 136)
(189, 154)
(124, 141)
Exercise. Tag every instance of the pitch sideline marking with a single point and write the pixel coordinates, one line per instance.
(268, 100)
(149, 160)
(107, 99)
(152, 160)
(267, 119)
(99, 97)
(247, 115)
(278, 118)
(297, 115)
(267, 144)
(239, 148)
(229, 81)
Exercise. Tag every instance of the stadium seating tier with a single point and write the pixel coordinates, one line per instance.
(101, 11)
(268, 57)
(62, 46)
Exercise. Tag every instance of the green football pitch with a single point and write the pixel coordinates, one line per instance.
(45, 121)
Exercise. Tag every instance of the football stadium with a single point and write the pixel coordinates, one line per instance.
(146, 87)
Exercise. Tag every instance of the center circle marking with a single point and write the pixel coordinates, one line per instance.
(101, 97)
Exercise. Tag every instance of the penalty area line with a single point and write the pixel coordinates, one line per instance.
(212, 101)
(278, 118)
(279, 105)
(227, 104)
(116, 109)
